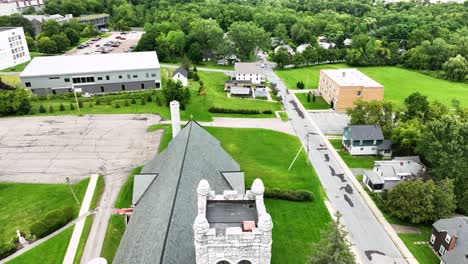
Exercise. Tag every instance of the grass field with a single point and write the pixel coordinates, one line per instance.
(51, 252)
(198, 106)
(83, 239)
(12, 80)
(205, 64)
(23, 204)
(284, 116)
(366, 162)
(114, 233)
(398, 82)
(319, 103)
(124, 200)
(423, 253)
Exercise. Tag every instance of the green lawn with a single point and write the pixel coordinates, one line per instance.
(114, 233)
(198, 106)
(83, 239)
(51, 252)
(124, 200)
(366, 162)
(97, 192)
(23, 204)
(398, 82)
(296, 224)
(319, 103)
(423, 253)
(12, 80)
(284, 116)
(206, 64)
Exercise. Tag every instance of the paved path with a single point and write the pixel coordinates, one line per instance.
(78, 230)
(374, 238)
(265, 123)
(44, 239)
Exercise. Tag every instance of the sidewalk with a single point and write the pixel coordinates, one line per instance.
(75, 239)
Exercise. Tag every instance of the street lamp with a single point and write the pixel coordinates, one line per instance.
(71, 190)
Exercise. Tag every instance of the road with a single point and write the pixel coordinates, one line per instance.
(370, 238)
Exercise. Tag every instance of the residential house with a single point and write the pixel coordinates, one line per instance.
(249, 71)
(287, 47)
(173, 221)
(13, 47)
(93, 74)
(449, 240)
(301, 48)
(324, 43)
(366, 140)
(348, 42)
(181, 74)
(342, 87)
(388, 173)
(38, 20)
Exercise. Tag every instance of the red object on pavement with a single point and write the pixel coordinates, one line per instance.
(124, 211)
(247, 226)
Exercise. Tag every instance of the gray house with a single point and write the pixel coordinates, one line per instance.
(165, 197)
(93, 73)
(366, 140)
(449, 240)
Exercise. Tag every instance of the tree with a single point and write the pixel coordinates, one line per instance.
(195, 53)
(417, 106)
(442, 146)
(17, 20)
(72, 35)
(281, 57)
(281, 33)
(207, 33)
(405, 137)
(456, 69)
(147, 42)
(371, 113)
(176, 41)
(173, 90)
(50, 28)
(333, 247)
(444, 199)
(61, 41)
(31, 43)
(46, 45)
(13, 101)
(246, 36)
(300, 85)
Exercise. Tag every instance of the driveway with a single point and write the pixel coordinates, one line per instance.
(48, 149)
(330, 122)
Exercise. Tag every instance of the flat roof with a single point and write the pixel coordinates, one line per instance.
(248, 68)
(6, 28)
(350, 77)
(86, 64)
(230, 213)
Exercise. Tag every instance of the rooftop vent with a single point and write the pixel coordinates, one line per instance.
(343, 74)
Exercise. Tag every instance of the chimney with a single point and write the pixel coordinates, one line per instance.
(175, 118)
(343, 73)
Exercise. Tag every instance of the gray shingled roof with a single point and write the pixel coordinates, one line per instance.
(240, 90)
(160, 229)
(374, 177)
(366, 132)
(182, 72)
(459, 227)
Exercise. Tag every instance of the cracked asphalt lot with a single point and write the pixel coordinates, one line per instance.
(49, 148)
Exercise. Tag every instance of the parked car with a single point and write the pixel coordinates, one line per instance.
(123, 33)
(122, 38)
(107, 44)
(81, 47)
(115, 45)
(97, 45)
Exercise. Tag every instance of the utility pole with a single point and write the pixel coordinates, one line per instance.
(76, 98)
(71, 190)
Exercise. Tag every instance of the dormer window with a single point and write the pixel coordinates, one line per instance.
(448, 238)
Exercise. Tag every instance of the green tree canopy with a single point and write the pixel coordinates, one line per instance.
(456, 68)
(246, 37)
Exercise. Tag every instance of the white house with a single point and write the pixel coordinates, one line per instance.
(13, 47)
(366, 140)
(301, 48)
(180, 74)
(287, 47)
(388, 173)
(250, 71)
(93, 73)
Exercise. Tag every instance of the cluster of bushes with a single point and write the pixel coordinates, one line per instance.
(221, 110)
(51, 222)
(290, 195)
(6, 250)
(300, 85)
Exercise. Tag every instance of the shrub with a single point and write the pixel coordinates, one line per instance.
(80, 103)
(133, 101)
(42, 109)
(126, 103)
(143, 101)
(109, 101)
(31, 111)
(308, 97)
(158, 101)
(90, 104)
(55, 220)
(196, 77)
(68, 212)
(98, 101)
(290, 195)
(313, 97)
(117, 105)
(233, 111)
(51, 109)
(61, 108)
(38, 229)
(267, 112)
(149, 99)
(72, 106)
(6, 250)
(300, 85)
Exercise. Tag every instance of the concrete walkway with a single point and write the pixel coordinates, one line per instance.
(266, 123)
(75, 239)
(44, 239)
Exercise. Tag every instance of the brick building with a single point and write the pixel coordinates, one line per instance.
(342, 87)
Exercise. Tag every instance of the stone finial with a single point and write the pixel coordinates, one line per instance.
(203, 188)
(257, 187)
(265, 224)
(201, 224)
(175, 117)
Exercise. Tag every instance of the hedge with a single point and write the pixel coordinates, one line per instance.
(6, 250)
(52, 222)
(221, 110)
(290, 195)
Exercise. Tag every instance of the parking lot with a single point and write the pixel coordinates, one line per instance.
(49, 149)
(95, 47)
(330, 122)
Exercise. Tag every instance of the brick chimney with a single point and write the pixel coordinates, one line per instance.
(453, 242)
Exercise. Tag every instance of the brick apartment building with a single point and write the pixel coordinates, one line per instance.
(342, 87)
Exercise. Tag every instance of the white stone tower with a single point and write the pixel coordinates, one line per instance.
(175, 118)
(223, 237)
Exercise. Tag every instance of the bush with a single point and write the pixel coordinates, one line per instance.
(143, 101)
(126, 103)
(196, 77)
(55, 220)
(290, 195)
(61, 108)
(80, 103)
(149, 99)
(308, 97)
(98, 101)
(117, 105)
(313, 97)
(158, 101)
(51, 109)
(72, 107)
(6, 250)
(233, 111)
(133, 101)
(109, 101)
(267, 112)
(42, 109)
(68, 212)
(300, 85)
(38, 229)
(90, 104)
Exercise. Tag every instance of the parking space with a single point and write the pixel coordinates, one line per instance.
(118, 42)
(48, 149)
(330, 122)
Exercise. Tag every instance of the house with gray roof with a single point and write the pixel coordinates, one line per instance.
(165, 197)
(250, 71)
(366, 140)
(180, 74)
(449, 239)
(388, 173)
